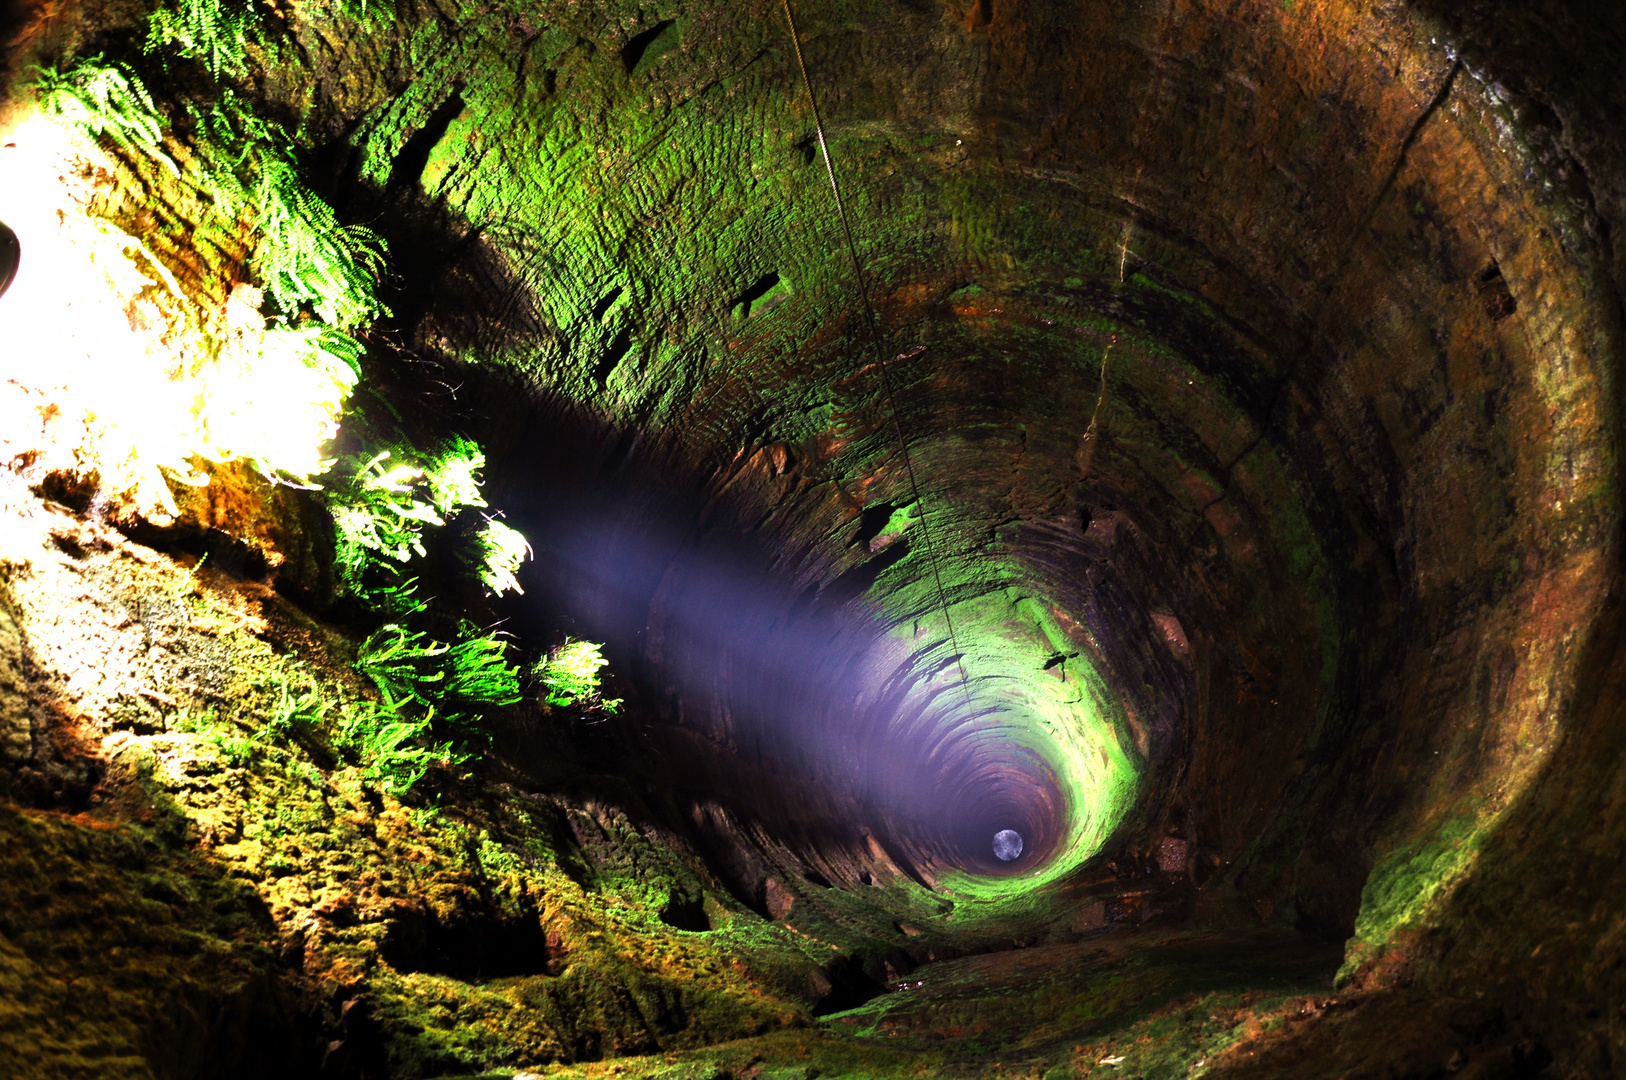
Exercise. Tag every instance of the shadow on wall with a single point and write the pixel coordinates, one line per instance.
(808, 681)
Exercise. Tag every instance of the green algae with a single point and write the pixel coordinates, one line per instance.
(121, 953)
(1410, 885)
(1095, 1009)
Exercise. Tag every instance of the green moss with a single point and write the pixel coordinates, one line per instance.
(617, 980)
(1408, 885)
(120, 949)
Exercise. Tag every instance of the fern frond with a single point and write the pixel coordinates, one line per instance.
(478, 672)
(96, 99)
(307, 257)
(398, 748)
(217, 32)
(451, 476)
(402, 664)
(570, 673)
(502, 550)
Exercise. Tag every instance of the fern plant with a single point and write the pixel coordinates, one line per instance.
(500, 550)
(396, 748)
(381, 512)
(306, 257)
(333, 352)
(410, 668)
(422, 682)
(451, 475)
(244, 166)
(477, 674)
(402, 664)
(379, 517)
(96, 99)
(296, 701)
(393, 738)
(569, 675)
(231, 139)
(217, 32)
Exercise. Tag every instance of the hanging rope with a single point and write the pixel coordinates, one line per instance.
(880, 352)
(1086, 455)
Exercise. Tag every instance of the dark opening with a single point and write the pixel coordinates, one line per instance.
(871, 522)
(1494, 295)
(602, 308)
(857, 581)
(642, 46)
(759, 288)
(686, 913)
(850, 986)
(409, 164)
(475, 949)
(613, 355)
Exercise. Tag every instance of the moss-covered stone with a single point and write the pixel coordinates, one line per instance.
(1226, 489)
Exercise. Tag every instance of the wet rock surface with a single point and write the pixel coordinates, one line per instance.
(1245, 390)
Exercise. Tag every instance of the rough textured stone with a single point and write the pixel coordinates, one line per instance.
(16, 724)
(1245, 389)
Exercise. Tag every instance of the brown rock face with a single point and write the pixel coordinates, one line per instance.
(1233, 337)
(1255, 358)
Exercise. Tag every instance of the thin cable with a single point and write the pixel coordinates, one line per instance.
(1086, 456)
(880, 352)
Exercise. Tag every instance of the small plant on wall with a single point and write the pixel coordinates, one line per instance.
(569, 675)
(293, 340)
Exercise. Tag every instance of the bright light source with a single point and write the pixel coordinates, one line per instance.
(110, 366)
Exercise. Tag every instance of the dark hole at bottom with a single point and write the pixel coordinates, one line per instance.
(476, 949)
(683, 913)
(850, 987)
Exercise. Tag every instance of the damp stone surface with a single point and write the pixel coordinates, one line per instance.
(501, 574)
